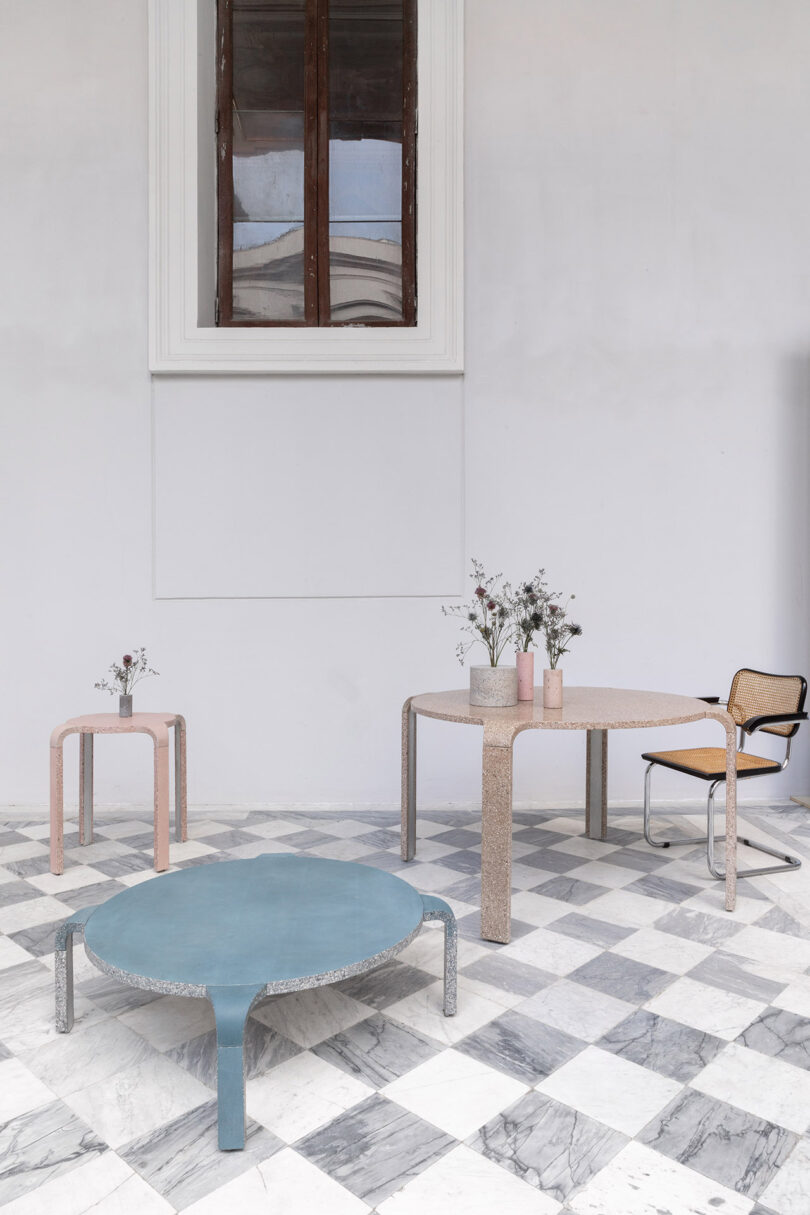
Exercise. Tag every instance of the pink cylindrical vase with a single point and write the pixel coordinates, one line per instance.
(524, 661)
(552, 689)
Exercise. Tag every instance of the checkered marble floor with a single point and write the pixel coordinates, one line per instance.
(634, 1051)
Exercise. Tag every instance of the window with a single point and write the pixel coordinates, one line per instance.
(316, 112)
(183, 215)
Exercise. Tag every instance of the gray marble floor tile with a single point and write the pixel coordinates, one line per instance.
(569, 890)
(376, 1051)
(780, 921)
(34, 866)
(392, 862)
(699, 926)
(720, 1141)
(462, 861)
(589, 929)
(377, 839)
(17, 892)
(645, 861)
(307, 838)
(521, 1047)
(466, 890)
(140, 841)
(734, 973)
(664, 1046)
(551, 861)
(781, 1034)
(387, 984)
(264, 1048)
(458, 837)
(469, 926)
(540, 837)
(623, 978)
(375, 1148)
(46, 1143)
(509, 974)
(39, 940)
(547, 1144)
(620, 835)
(181, 1159)
(5, 1053)
(88, 896)
(210, 858)
(759, 1209)
(118, 866)
(657, 887)
(12, 837)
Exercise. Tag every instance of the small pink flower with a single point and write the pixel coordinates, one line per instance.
(492, 605)
(480, 592)
(127, 660)
(552, 607)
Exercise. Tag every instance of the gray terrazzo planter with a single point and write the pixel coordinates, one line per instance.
(494, 687)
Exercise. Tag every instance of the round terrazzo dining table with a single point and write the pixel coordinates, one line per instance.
(595, 710)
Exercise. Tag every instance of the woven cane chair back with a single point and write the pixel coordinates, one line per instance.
(757, 694)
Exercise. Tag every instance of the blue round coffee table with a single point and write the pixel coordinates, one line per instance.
(239, 931)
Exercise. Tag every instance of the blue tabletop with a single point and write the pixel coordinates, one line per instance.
(270, 919)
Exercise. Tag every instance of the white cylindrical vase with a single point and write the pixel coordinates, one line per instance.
(493, 687)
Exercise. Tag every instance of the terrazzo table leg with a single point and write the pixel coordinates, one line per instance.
(437, 909)
(496, 843)
(596, 784)
(408, 842)
(231, 1008)
(180, 788)
(85, 788)
(161, 738)
(63, 968)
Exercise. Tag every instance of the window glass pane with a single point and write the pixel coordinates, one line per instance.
(268, 160)
(365, 269)
(365, 159)
(268, 272)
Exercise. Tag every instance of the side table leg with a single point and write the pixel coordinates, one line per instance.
(162, 802)
(63, 968)
(496, 844)
(596, 785)
(408, 845)
(180, 790)
(437, 909)
(57, 807)
(231, 1008)
(85, 788)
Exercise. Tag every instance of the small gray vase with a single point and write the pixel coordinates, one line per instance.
(493, 687)
(125, 706)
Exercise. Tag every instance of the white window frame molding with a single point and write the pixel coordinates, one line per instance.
(182, 237)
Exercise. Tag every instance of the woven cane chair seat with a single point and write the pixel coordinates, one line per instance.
(709, 763)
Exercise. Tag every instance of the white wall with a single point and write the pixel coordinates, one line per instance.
(634, 408)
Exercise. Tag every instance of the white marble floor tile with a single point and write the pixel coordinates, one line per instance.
(712, 900)
(612, 876)
(28, 914)
(777, 948)
(20, 1090)
(309, 1017)
(301, 1094)
(71, 879)
(618, 1093)
(138, 1100)
(426, 951)
(524, 877)
(537, 909)
(581, 845)
(466, 1183)
(626, 908)
(422, 1011)
(662, 949)
(31, 1023)
(578, 1010)
(76, 1061)
(12, 954)
(116, 831)
(454, 1092)
(759, 1084)
(639, 1181)
(789, 1192)
(551, 951)
(711, 1009)
(135, 879)
(135, 1195)
(99, 850)
(187, 850)
(498, 995)
(296, 1187)
(86, 1188)
(21, 851)
(170, 1020)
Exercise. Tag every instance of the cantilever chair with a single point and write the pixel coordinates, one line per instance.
(757, 701)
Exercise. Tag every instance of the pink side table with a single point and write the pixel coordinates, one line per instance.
(157, 726)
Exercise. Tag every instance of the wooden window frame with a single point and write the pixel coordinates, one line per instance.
(317, 299)
(183, 336)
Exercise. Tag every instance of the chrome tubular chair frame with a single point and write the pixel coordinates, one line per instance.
(787, 724)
